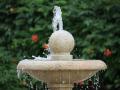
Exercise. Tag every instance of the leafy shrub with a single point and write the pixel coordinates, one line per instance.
(95, 24)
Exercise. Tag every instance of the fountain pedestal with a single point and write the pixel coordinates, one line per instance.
(60, 86)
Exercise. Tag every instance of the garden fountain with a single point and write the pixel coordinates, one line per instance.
(60, 70)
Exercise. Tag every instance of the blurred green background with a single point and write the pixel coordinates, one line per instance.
(95, 25)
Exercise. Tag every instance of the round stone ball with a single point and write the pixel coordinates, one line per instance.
(61, 41)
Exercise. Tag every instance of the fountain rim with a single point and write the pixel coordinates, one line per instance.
(50, 65)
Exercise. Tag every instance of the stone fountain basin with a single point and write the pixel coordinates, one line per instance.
(61, 72)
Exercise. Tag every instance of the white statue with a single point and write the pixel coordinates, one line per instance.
(57, 19)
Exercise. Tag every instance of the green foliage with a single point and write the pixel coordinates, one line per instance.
(95, 24)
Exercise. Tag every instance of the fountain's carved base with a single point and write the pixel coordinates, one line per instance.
(60, 86)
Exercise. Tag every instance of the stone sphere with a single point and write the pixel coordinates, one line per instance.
(61, 42)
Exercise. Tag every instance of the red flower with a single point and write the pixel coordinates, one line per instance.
(107, 52)
(45, 46)
(35, 38)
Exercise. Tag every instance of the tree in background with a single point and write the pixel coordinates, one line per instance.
(25, 26)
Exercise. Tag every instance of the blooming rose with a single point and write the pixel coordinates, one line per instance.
(107, 52)
(35, 38)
